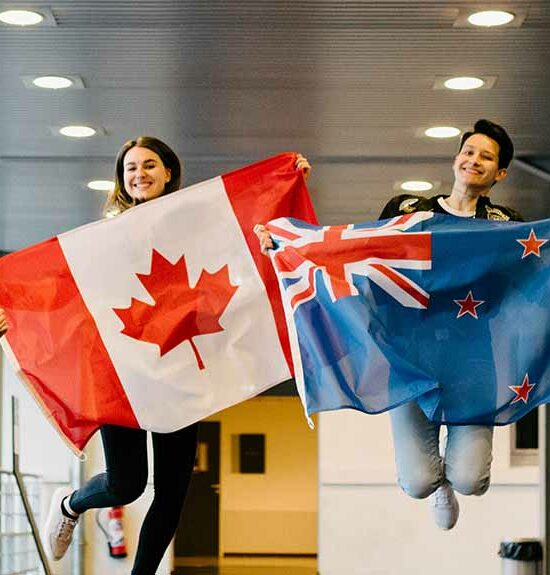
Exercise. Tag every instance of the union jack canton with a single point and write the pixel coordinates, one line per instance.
(340, 252)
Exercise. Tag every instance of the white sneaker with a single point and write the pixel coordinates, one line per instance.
(58, 530)
(444, 506)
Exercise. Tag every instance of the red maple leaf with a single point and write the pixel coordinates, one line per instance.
(180, 312)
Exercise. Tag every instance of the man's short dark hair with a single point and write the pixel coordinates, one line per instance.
(496, 133)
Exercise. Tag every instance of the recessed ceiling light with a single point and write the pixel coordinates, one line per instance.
(77, 131)
(52, 82)
(464, 83)
(489, 18)
(101, 185)
(442, 132)
(21, 17)
(416, 186)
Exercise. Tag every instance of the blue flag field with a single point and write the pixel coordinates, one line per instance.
(452, 312)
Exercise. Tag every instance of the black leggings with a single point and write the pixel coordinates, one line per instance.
(126, 478)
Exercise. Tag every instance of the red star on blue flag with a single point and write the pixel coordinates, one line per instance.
(522, 391)
(468, 305)
(531, 245)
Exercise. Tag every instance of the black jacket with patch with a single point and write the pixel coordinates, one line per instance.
(408, 203)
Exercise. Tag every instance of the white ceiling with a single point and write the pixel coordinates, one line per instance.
(347, 83)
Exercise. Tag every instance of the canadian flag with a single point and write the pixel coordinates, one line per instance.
(160, 316)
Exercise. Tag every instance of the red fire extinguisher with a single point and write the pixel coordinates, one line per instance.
(113, 530)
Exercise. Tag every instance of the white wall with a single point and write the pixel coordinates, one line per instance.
(43, 452)
(41, 449)
(367, 526)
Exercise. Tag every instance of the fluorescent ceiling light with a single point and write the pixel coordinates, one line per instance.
(442, 132)
(52, 82)
(101, 185)
(416, 186)
(489, 18)
(464, 83)
(77, 131)
(21, 17)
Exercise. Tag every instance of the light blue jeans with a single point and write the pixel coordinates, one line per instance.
(466, 464)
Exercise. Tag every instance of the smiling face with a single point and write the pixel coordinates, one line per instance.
(145, 175)
(476, 165)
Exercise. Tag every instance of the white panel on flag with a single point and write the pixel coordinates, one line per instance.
(170, 391)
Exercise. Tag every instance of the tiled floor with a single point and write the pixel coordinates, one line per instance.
(246, 566)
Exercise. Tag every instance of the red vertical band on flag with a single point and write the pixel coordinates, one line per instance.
(57, 345)
(261, 192)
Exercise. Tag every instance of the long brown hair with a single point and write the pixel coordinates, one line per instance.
(118, 199)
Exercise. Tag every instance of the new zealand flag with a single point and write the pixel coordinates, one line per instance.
(453, 312)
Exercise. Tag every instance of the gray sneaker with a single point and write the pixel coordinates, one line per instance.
(58, 530)
(444, 506)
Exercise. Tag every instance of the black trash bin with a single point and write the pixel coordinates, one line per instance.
(521, 557)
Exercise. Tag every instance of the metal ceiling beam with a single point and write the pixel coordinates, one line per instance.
(532, 169)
